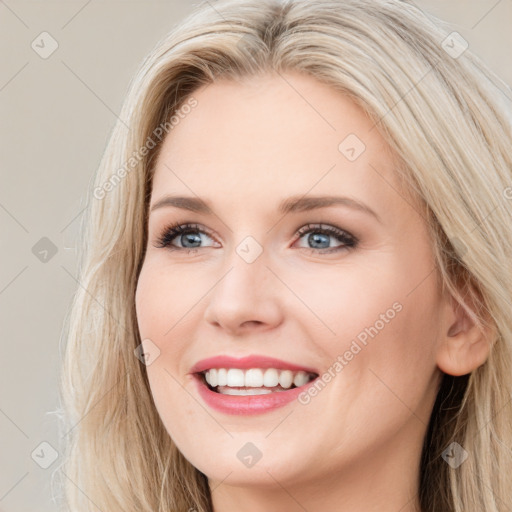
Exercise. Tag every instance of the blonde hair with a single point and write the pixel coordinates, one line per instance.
(438, 112)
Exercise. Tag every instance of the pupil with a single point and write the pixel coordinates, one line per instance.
(190, 237)
(317, 238)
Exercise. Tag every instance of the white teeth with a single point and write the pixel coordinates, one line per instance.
(255, 378)
(235, 378)
(300, 379)
(234, 391)
(222, 377)
(271, 378)
(286, 379)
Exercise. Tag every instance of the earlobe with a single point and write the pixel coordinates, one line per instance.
(464, 345)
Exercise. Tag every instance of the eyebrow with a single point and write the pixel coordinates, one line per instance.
(290, 205)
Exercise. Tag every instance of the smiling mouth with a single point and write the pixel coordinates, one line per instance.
(255, 381)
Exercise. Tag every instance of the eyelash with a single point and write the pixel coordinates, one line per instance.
(173, 230)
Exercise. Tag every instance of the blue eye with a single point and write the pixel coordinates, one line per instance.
(188, 234)
(319, 236)
(190, 237)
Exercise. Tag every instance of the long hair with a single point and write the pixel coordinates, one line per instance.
(438, 108)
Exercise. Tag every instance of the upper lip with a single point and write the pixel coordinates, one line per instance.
(251, 361)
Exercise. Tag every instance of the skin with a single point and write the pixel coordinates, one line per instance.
(356, 445)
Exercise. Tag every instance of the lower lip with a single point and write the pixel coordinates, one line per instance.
(247, 404)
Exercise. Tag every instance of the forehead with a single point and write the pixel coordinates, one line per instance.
(258, 140)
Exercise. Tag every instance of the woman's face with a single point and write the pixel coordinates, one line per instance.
(355, 302)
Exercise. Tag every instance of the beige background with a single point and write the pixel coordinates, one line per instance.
(57, 114)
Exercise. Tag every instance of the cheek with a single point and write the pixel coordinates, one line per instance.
(396, 365)
(158, 310)
(145, 294)
(156, 301)
(162, 318)
(348, 300)
(382, 319)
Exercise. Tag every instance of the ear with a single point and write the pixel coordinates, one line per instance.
(463, 345)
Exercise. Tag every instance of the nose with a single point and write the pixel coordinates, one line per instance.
(245, 298)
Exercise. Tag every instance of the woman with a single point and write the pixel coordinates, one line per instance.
(255, 369)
